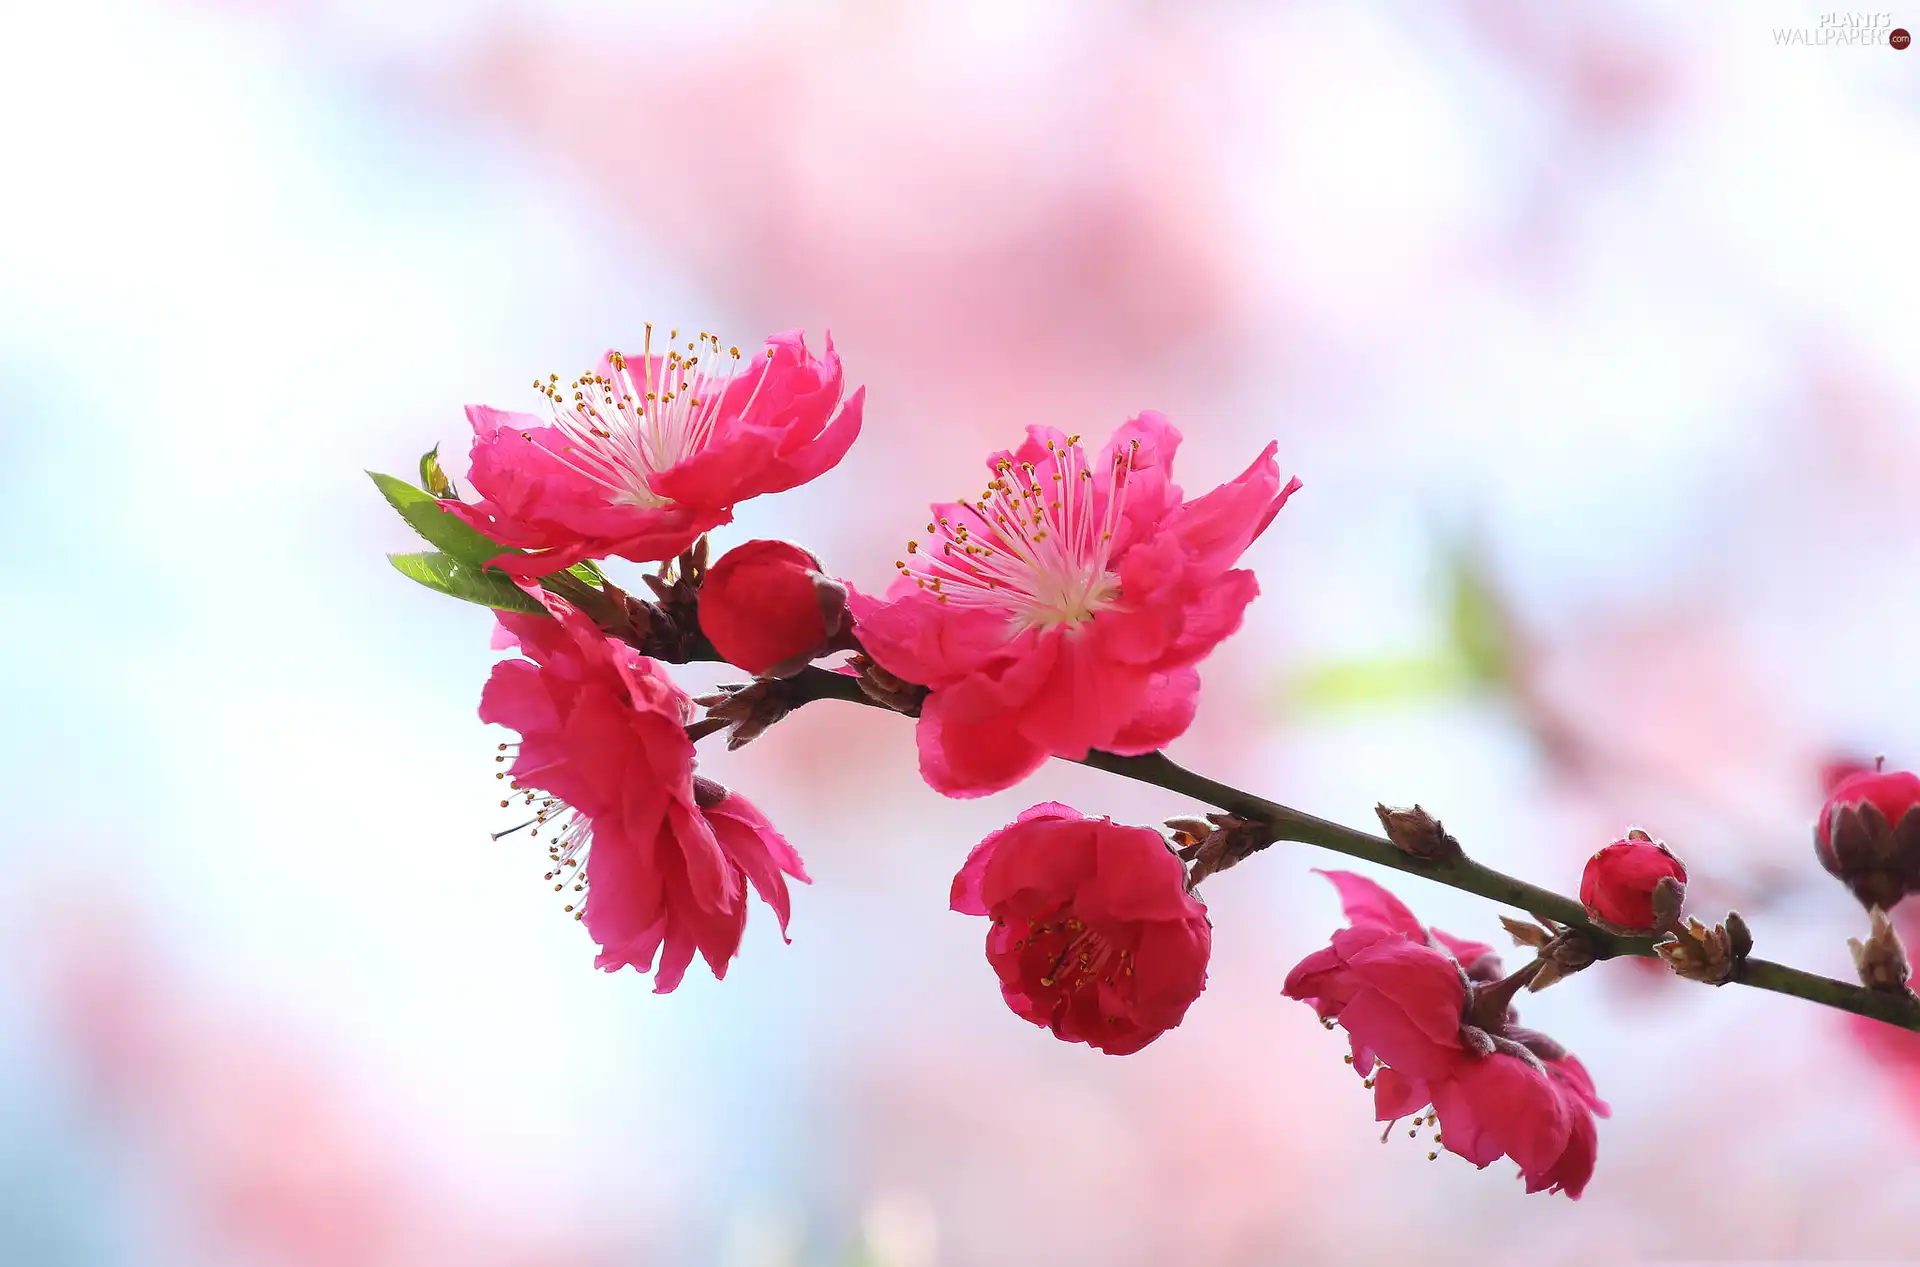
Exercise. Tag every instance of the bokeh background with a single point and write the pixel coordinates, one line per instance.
(1591, 330)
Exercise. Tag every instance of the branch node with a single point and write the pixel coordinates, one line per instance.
(1418, 834)
(884, 689)
(1219, 842)
(1714, 955)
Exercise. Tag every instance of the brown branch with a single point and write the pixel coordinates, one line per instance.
(1460, 873)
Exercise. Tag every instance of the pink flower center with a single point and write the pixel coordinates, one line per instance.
(622, 431)
(566, 848)
(1035, 545)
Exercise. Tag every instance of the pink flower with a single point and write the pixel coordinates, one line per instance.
(1617, 886)
(1065, 608)
(661, 857)
(647, 453)
(1426, 1032)
(767, 607)
(1094, 933)
(1868, 835)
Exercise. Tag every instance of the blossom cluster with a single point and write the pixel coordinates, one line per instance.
(1062, 612)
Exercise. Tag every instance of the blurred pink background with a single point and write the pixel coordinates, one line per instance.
(1589, 328)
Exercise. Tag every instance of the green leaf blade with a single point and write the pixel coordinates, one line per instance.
(448, 575)
(1477, 622)
(426, 516)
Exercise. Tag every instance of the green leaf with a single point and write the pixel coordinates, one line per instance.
(1376, 681)
(424, 512)
(586, 571)
(432, 478)
(1477, 621)
(449, 575)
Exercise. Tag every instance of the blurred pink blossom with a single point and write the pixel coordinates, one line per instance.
(264, 1150)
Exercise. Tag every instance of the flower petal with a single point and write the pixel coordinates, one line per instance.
(1365, 902)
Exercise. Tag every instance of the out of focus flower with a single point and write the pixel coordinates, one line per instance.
(259, 1142)
(1634, 884)
(768, 608)
(1066, 607)
(660, 859)
(1868, 837)
(1094, 933)
(1838, 769)
(1423, 1033)
(646, 453)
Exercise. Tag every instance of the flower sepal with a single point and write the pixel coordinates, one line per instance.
(1881, 958)
(1217, 842)
(1713, 954)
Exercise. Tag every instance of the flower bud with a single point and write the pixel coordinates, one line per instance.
(1868, 838)
(1714, 955)
(1881, 959)
(1417, 833)
(766, 607)
(1229, 841)
(1634, 884)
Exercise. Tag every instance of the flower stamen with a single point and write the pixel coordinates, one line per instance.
(621, 431)
(566, 849)
(1035, 544)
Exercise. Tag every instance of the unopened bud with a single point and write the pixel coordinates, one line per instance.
(1634, 885)
(1881, 959)
(1417, 834)
(1868, 836)
(1739, 936)
(767, 607)
(433, 479)
(1715, 955)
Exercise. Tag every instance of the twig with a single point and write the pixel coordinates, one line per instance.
(1458, 873)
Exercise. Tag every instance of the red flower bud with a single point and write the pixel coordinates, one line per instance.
(1868, 838)
(1634, 884)
(767, 607)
